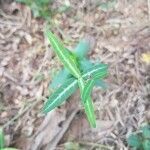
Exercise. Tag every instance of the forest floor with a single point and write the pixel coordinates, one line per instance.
(28, 65)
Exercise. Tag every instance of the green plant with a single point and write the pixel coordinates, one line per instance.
(2, 142)
(72, 146)
(75, 75)
(40, 8)
(43, 8)
(81, 51)
(109, 4)
(141, 139)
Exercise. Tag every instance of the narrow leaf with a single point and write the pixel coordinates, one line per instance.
(88, 105)
(96, 70)
(88, 89)
(90, 84)
(1, 138)
(9, 148)
(61, 94)
(89, 110)
(67, 57)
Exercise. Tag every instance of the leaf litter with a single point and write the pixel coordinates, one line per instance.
(122, 37)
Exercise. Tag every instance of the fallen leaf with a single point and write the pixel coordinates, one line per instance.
(146, 57)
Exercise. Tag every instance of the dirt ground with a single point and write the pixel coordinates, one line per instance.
(27, 66)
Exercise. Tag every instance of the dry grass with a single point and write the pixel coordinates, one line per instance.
(27, 66)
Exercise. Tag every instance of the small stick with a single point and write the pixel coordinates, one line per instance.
(52, 145)
(21, 113)
(148, 2)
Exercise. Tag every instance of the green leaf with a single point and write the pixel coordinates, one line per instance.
(73, 57)
(89, 110)
(42, 2)
(60, 78)
(82, 48)
(91, 82)
(8, 148)
(35, 10)
(108, 5)
(88, 89)
(67, 57)
(146, 131)
(40, 8)
(72, 146)
(87, 102)
(102, 84)
(97, 72)
(70, 86)
(134, 141)
(2, 141)
(60, 95)
(85, 64)
(146, 144)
